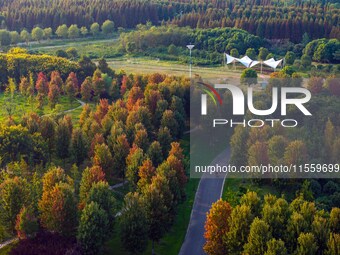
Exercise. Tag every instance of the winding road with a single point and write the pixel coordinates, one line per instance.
(209, 191)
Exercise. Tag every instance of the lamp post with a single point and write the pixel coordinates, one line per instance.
(190, 47)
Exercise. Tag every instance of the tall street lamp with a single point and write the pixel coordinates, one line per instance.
(190, 47)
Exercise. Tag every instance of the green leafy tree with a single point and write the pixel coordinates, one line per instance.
(5, 37)
(276, 247)
(155, 153)
(78, 146)
(258, 237)
(234, 52)
(251, 53)
(94, 29)
(73, 31)
(307, 244)
(92, 229)
(263, 53)
(306, 61)
(15, 37)
(101, 194)
(62, 31)
(238, 144)
(64, 139)
(25, 36)
(14, 194)
(48, 33)
(133, 224)
(108, 27)
(333, 244)
(37, 34)
(290, 57)
(158, 203)
(84, 31)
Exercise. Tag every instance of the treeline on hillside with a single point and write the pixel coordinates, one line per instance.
(168, 42)
(272, 226)
(63, 31)
(269, 22)
(264, 18)
(55, 171)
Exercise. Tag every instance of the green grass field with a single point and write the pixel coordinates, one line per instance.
(22, 106)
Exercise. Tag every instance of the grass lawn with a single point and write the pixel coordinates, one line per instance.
(22, 106)
(235, 188)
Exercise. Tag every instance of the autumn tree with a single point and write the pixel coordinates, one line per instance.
(26, 223)
(23, 86)
(86, 89)
(145, 173)
(133, 161)
(103, 158)
(89, 177)
(58, 211)
(71, 86)
(216, 226)
(276, 148)
(42, 87)
(57, 80)
(258, 154)
(53, 95)
(295, 153)
(315, 84)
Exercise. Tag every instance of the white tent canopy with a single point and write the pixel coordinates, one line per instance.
(272, 63)
(248, 62)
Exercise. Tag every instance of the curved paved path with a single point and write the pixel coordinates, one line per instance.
(209, 191)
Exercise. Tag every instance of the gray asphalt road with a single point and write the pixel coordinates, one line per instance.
(208, 192)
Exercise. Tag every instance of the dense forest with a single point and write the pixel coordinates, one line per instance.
(270, 19)
(56, 169)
